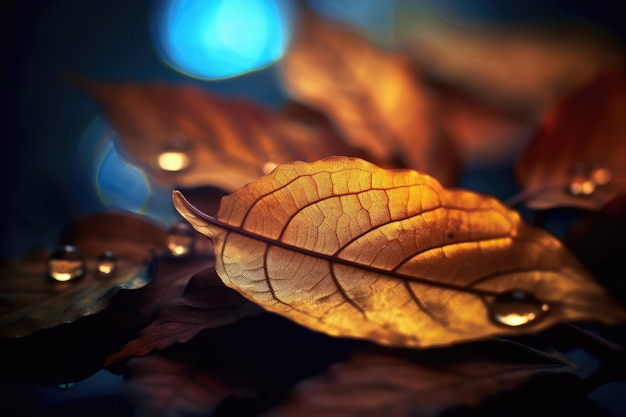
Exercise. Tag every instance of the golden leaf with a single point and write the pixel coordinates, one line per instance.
(347, 248)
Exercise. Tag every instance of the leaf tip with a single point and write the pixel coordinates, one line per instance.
(199, 220)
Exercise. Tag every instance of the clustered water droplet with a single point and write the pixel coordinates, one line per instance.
(66, 263)
(106, 264)
(516, 308)
(586, 179)
(180, 239)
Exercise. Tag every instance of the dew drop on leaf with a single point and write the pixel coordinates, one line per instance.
(586, 179)
(601, 176)
(582, 185)
(180, 239)
(106, 264)
(173, 160)
(66, 263)
(516, 308)
(269, 167)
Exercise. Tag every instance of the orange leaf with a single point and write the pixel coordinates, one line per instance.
(185, 136)
(578, 157)
(373, 96)
(344, 247)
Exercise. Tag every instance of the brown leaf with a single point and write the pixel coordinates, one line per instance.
(206, 303)
(485, 133)
(577, 157)
(31, 301)
(227, 142)
(397, 383)
(527, 66)
(344, 247)
(131, 236)
(373, 96)
(162, 386)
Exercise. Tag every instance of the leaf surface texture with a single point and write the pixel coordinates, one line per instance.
(350, 249)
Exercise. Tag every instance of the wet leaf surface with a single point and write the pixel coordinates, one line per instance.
(185, 136)
(377, 102)
(30, 300)
(347, 248)
(577, 157)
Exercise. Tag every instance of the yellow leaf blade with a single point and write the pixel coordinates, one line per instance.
(347, 248)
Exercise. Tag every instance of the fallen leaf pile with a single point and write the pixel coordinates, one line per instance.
(329, 260)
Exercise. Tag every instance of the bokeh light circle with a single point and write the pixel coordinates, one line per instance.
(216, 39)
(119, 183)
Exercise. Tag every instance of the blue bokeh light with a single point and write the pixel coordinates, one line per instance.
(102, 177)
(120, 184)
(215, 39)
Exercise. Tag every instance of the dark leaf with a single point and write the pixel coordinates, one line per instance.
(396, 383)
(205, 303)
(163, 386)
(30, 300)
(599, 241)
(577, 157)
(254, 360)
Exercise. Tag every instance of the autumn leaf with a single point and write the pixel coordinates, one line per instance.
(163, 386)
(373, 96)
(577, 157)
(187, 137)
(527, 66)
(129, 235)
(347, 248)
(400, 383)
(30, 300)
(253, 361)
(205, 303)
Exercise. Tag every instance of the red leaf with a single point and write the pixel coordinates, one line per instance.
(226, 142)
(578, 156)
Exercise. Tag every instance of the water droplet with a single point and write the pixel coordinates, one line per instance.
(66, 385)
(582, 185)
(269, 167)
(517, 308)
(180, 239)
(601, 176)
(66, 263)
(106, 264)
(173, 160)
